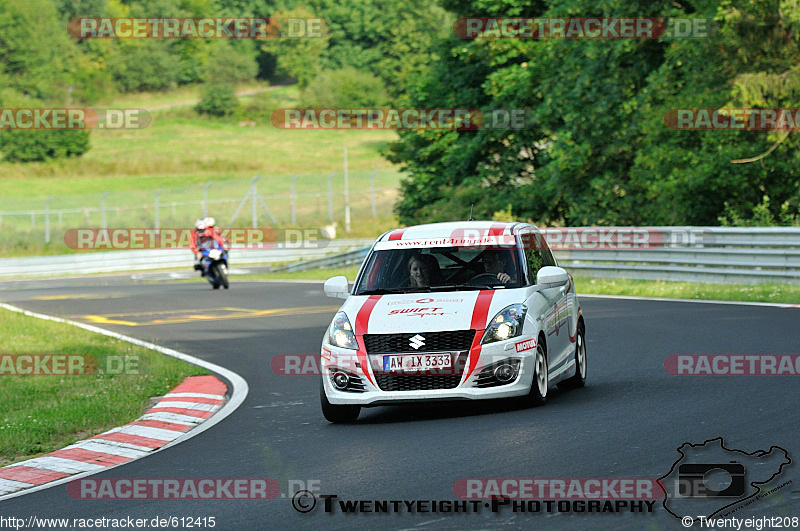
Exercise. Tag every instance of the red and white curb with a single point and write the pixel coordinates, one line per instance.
(192, 407)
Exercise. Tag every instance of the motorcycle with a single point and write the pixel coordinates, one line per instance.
(214, 266)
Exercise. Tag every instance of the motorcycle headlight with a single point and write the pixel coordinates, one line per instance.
(506, 324)
(341, 333)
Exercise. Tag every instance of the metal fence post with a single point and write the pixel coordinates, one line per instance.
(372, 193)
(253, 193)
(346, 194)
(294, 201)
(103, 209)
(330, 197)
(47, 220)
(157, 221)
(205, 198)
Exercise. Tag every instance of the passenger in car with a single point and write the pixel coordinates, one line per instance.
(423, 270)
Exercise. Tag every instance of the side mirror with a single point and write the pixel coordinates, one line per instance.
(551, 276)
(337, 287)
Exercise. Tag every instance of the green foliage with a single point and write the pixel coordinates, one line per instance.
(229, 63)
(760, 216)
(598, 150)
(144, 65)
(35, 52)
(503, 215)
(299, 58)
(391, 39)
(25, 145)
(217, 99)
(346, 88)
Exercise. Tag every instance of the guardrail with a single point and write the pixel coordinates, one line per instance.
(141, 260)
(744, 255)
(692, 254)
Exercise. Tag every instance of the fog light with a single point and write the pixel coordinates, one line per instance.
(505, 373)
(340, 380)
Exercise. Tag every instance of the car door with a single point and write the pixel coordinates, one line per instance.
(554, 320)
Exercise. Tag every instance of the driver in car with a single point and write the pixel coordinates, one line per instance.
(494, 262)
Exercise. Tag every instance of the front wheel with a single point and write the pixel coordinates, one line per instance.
(538, 393)
(579, 380)
(335, 413)
(222, 275)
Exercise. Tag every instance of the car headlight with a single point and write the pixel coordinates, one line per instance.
(506, 324)
(341, 333)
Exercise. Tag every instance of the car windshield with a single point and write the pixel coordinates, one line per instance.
(440, 269)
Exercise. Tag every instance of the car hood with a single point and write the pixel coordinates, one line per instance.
(428, 312)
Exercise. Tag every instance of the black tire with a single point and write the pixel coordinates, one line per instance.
(335, 413)
(222, 275)
(537, 395)
(579, 379)
(214, 273)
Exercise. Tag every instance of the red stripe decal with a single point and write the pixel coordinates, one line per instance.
(89, 456)
(497, 229)
(397, 234)
(362, 326)
(29, 474)
(481, 309)
(479, 315)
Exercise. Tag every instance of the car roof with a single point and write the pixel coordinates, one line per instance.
(448, 229)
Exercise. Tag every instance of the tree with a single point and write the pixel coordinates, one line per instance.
(597, 150)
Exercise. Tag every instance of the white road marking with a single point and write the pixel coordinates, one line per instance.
(194, 395)
(188, 405)
(59, 464)
(8, 486)
(99, 445)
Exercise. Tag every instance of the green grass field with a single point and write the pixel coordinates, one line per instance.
(778, 293)
(178, 153)
(39, 414)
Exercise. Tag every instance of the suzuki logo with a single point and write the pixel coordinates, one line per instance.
(416, 341)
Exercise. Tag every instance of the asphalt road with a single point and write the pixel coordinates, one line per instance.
(627, 422)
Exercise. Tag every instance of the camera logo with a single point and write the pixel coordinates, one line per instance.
(709, 478)
(701, 480)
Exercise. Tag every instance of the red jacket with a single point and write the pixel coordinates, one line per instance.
(196, 239)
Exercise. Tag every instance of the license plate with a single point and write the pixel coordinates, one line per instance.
(417, 362)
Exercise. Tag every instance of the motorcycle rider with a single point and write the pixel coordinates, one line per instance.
(211, 223)
(201, 236)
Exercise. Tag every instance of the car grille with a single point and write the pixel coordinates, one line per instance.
(423, 382)
(452, 340)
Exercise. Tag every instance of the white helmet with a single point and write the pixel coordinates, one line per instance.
(210, 222)
(200, 224)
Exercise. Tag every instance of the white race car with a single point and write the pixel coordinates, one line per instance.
(451, 311)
